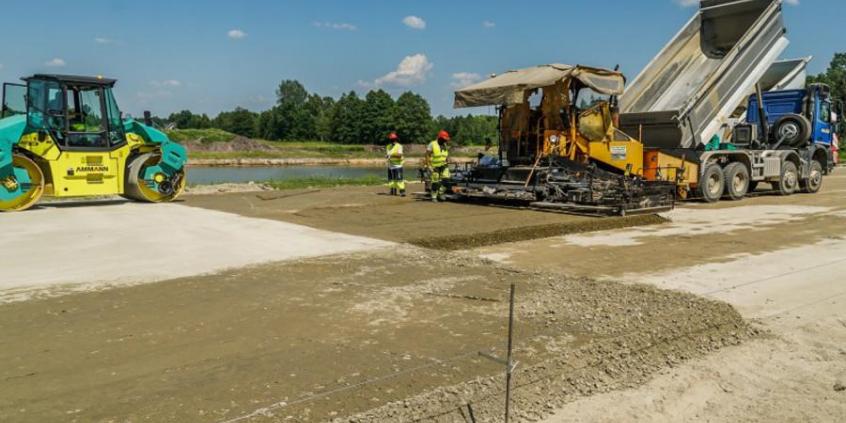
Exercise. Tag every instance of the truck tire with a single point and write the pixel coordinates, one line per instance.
(813, 184)
(713, 183)
(737, 181)
(789, 181)
(796, 130)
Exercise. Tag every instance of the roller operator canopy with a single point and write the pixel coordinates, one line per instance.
(510, 87)
(74, 79)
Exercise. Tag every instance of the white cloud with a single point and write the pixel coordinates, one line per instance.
(414, 22)
(236, 34)
(463, 79)
(792, 2)
(488, 24)
(103, 40)
(166, 83)
(55, 63)
(413, 70)
(340, 26)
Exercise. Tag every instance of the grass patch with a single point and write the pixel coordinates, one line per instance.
(324, 182)
(202, 135)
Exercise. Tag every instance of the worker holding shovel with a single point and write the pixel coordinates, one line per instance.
(395, 158)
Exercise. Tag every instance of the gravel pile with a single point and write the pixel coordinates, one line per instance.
(624, 334)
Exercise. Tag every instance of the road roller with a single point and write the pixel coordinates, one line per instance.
(64, 136)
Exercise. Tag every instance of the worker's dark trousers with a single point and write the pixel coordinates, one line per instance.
(395, 180)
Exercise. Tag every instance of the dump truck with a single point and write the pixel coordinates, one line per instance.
(692, 101)
(560, 148)
(64, 136)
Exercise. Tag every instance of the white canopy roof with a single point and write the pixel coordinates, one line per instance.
(510, 87)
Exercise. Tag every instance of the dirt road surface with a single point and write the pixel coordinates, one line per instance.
(367, 211)
(310, 306)
(779, 261)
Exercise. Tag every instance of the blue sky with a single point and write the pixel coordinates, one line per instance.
(209, 56)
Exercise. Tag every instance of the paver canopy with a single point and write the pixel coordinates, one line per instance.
(510, 87)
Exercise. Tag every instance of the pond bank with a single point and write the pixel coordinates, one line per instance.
(256, 162)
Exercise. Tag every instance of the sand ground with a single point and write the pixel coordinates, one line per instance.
(312, 307)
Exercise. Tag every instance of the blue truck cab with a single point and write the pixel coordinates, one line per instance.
(802, 119)
(790, 149)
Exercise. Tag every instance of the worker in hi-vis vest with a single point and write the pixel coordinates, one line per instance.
(395, 161)
(436, 156)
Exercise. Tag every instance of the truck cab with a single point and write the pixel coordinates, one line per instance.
(801, 119)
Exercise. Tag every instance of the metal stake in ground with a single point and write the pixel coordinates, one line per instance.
(508, 363)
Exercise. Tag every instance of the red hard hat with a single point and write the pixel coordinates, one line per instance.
(443, 135)
(393, 136)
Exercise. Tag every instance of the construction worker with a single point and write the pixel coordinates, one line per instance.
(394, 155)
(436, 157)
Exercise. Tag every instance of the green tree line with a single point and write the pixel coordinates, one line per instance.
(300, 115)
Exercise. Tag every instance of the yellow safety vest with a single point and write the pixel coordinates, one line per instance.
(394, 161)
(439, 155)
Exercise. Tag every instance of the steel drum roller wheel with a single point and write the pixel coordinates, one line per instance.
(138, 189)
(31, 190)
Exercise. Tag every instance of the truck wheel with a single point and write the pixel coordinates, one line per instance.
(813, 184)
(796, 130)
(712, 184)
(789, 181)
(737, 181)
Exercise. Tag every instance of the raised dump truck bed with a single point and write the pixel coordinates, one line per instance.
(789, 74)
(688, 91)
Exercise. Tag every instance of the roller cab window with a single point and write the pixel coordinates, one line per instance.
(85, 117)
(14, 100)
(78, 112)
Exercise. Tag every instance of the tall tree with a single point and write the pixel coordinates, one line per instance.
(292, 117)
(377, 117)
(346, 119)
(412, 117)
(239, 121)
(187, 120)
(291, 92)
(323, 120)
